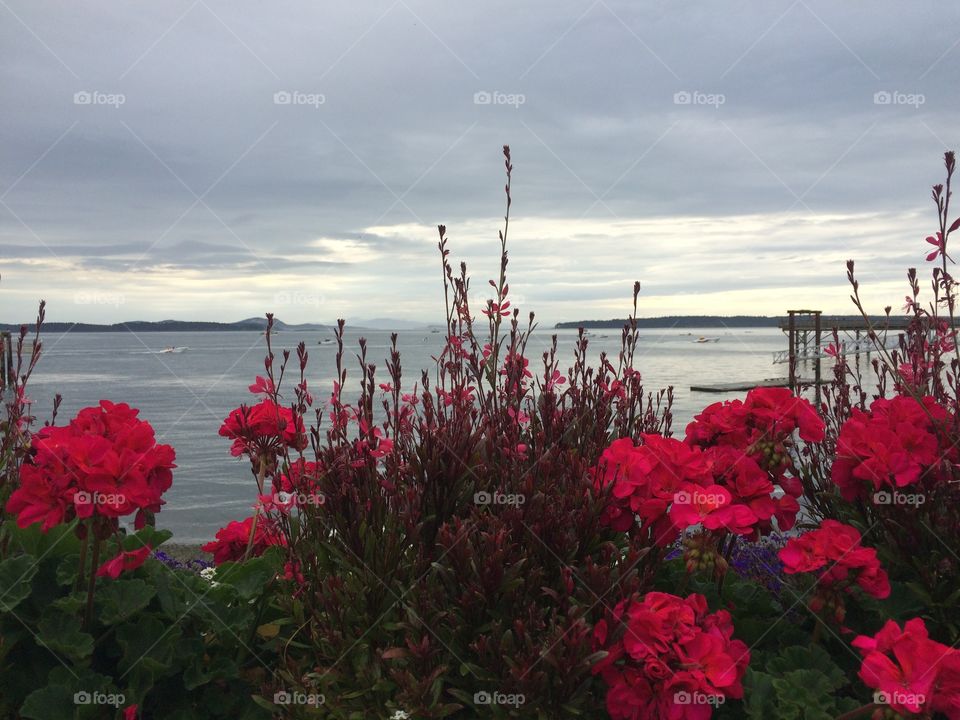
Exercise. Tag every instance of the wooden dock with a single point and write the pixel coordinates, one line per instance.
(746, 385)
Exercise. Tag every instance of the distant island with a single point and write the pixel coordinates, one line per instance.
(680, 321)
(720, 321)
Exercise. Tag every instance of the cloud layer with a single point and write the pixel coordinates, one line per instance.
(206, 159)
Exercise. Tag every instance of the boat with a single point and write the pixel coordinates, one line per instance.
(172, 349)
(324, 341)
(702, 339)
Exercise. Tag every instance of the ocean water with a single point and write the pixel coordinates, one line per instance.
(186, 395)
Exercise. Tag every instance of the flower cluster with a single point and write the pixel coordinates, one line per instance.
(834, 551)
(731, 474)
(749, 444)
(912, 673)
(105, 464)
(232, 540)
(645, 481)
(668, 657)
(893, 445)
(263, 430)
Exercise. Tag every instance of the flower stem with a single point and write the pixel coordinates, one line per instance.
(92, 585)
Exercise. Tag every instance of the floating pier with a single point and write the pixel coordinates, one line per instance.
(749, 385)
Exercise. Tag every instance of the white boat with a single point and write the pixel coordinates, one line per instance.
(171, 349)
(706, 340)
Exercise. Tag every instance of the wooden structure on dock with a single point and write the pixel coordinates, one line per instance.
(8, 369)
(805, 330)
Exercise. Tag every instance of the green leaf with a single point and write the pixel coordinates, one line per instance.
(249, 578)
(61, 633)
(120, 599)
(51, 702)
(146, 536)
(147, 644)
(67, 569)
(16, 575)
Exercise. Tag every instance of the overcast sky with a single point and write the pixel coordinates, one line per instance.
(206, 159)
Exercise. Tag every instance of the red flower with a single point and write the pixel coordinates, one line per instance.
(124, 562)
(912, 673)
(264, 430)
(646, 480)
(893, 445)
(669, 658)
(105, 463)
(231, 541)
(941, 247)
(835, 548)
(130, 713)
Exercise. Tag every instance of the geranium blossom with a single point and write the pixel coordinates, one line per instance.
(263, 430)
(231, 541)
(835, 549)
(668, 657)
(891, 446)
(105, 463)
(124, 562)
(912, 673)
(646, 480)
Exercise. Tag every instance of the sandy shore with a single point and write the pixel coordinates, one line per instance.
(183, 552)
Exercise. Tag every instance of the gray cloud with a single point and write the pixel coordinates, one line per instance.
(699, 113)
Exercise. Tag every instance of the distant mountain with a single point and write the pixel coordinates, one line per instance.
(138, 326)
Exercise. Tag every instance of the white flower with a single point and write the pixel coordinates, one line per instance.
(208, 575)
(400, 715)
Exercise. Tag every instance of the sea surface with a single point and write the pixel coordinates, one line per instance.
(186, 395)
